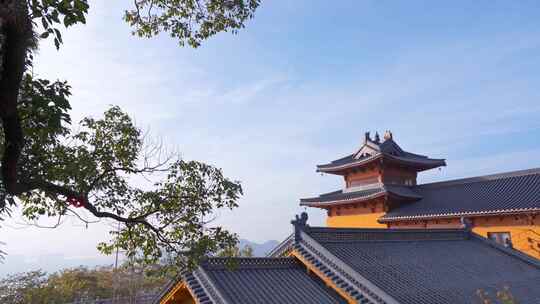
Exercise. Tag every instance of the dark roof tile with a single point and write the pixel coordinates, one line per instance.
(340, 197)
(432, 266)
(266, 280)
(510, 192)
(387, 149)
(383, 266)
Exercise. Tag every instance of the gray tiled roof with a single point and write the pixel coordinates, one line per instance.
(259, 280)
(373, 266)
(510, 192)
(341, 197)
(388, 150)
(430, 266)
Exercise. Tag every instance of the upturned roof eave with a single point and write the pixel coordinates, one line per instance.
(424, 164)
(384, 192)
(321, 204)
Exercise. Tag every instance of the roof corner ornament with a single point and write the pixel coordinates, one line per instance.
(387, 135)
(299, 223)
(508, 243)
(467, 224)
(377, 138)
(367, 137)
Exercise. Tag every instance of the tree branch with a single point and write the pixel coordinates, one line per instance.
(146, 169)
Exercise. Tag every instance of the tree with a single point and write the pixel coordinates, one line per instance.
(21, 288)
(235, 251)
(93, 168)
(190, 21)
(80, 284)
(52, 170)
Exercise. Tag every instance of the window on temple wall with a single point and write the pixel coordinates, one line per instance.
(364, 181)
(502, 238)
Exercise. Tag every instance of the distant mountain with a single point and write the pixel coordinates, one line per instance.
(259, 250)
(52, 263)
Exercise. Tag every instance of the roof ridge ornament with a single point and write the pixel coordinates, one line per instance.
(377, 137)
(467, 225)
(299, 224)
(367, 137)
(387, 135)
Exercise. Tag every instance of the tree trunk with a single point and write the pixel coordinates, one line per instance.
(16, 39)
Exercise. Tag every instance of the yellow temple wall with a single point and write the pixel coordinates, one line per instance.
(524, 229)
(524, 238)
(368, 220)
(360, 215)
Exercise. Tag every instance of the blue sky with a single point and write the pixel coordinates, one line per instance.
(300, 86)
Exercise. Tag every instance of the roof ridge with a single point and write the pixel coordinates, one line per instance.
(217, 258)
(386, 234)
(384, 230)
(246, 262)
(366, 287)
(482, 178)
(209, 286)
(282, 247)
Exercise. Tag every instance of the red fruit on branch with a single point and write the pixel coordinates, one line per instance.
(75, 201)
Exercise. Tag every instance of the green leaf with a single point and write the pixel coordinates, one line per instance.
(44, 23)
(58, 35)
(68, 21)
(54, 16)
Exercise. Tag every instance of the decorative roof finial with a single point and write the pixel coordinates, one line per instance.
(367, 137)
(508, 243)
(467, 224)
(387, 135)
(299, 223)
(377, 138)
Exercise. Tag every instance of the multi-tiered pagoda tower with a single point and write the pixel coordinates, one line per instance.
(381, 191)
(377, 176)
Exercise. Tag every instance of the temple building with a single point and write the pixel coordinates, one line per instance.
(390, 240)
(381, 190)
(321, 265)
